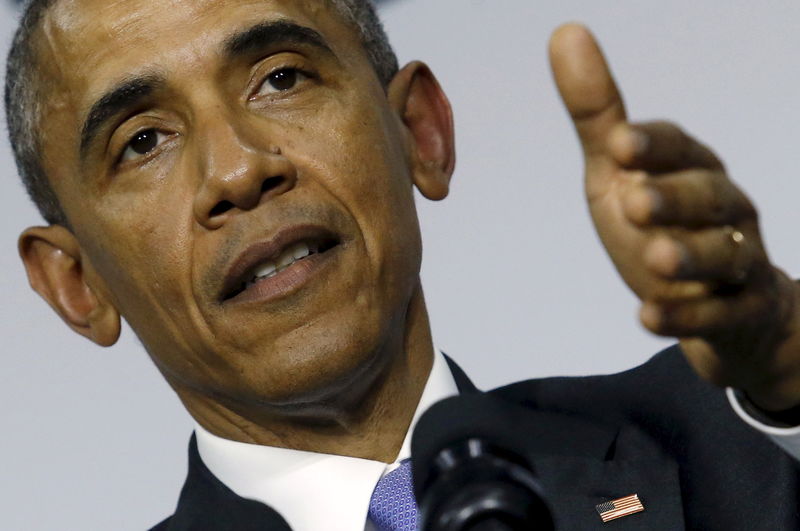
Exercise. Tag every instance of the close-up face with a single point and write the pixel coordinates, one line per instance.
(240, 187)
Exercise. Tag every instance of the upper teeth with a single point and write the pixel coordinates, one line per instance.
(289, 256)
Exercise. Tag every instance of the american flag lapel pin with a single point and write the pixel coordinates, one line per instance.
(611, 510)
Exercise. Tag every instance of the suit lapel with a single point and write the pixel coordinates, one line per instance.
(575, 485)
(206, 504)
(582, 463)
(463, 382)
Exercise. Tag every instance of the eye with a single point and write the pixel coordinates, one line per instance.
(142, 143)
(281, 81)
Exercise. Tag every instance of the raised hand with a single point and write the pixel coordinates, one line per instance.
(682, 235)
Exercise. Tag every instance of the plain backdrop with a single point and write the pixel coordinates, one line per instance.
(516, 281)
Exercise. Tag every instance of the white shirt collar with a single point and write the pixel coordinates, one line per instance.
(313, 491)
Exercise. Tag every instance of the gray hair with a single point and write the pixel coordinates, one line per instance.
(23, 87)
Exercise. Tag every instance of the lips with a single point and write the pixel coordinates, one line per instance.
(270, 267)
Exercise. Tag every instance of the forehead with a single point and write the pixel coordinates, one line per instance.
(87, 28)
(88, 44)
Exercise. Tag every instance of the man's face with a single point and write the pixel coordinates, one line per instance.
(198, 146)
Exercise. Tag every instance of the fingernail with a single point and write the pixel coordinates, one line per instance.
(655, 203)
(640, 141)
(684, 260)
(651, 316)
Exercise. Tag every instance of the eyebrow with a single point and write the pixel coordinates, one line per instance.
(124, 96)
(131, 92)
(267, 34)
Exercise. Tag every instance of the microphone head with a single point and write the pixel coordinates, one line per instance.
(470, 468)
(459, 418)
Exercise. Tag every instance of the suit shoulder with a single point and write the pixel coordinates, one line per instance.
(162, 526)
(668, 363)
(665, 383)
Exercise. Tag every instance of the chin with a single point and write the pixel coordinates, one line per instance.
(320, 370)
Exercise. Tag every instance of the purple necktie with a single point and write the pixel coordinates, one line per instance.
(392, 507)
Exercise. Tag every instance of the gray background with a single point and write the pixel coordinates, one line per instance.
(516, 281)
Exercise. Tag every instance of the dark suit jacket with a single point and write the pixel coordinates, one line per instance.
(656, 430)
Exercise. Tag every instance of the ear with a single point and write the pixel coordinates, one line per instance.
(53, 260)
(422, 105)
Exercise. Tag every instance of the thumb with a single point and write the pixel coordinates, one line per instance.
(586, 86)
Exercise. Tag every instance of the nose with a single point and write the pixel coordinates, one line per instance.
(240, 171)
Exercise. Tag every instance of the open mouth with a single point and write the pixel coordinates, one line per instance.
(262, 264)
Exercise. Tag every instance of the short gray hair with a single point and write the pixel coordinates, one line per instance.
(23, 85)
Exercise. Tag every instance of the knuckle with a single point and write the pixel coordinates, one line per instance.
(746, 206)
(651, 316)
(720, 198)
(664, 125)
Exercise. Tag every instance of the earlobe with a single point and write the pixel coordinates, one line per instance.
(419, 100)
(52, 259)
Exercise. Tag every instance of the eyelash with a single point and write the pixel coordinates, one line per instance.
(304, 74)
(296, 69)
(161, 137)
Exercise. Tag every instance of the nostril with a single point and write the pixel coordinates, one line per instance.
(270, 184)
(250, 200)
(220, 208)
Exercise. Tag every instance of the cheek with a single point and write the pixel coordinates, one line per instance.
(142, 253)
(363, 166)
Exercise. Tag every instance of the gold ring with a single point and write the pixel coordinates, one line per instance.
(736, 236)
(740, 270)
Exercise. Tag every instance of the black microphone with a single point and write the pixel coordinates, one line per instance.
(469, 469)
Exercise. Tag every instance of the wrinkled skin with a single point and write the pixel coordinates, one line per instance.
(314, 367)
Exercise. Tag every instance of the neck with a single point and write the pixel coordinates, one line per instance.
(371, 424)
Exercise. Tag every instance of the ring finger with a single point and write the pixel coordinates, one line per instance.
(722, 254)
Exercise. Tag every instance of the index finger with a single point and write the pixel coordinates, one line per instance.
(586, 86)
